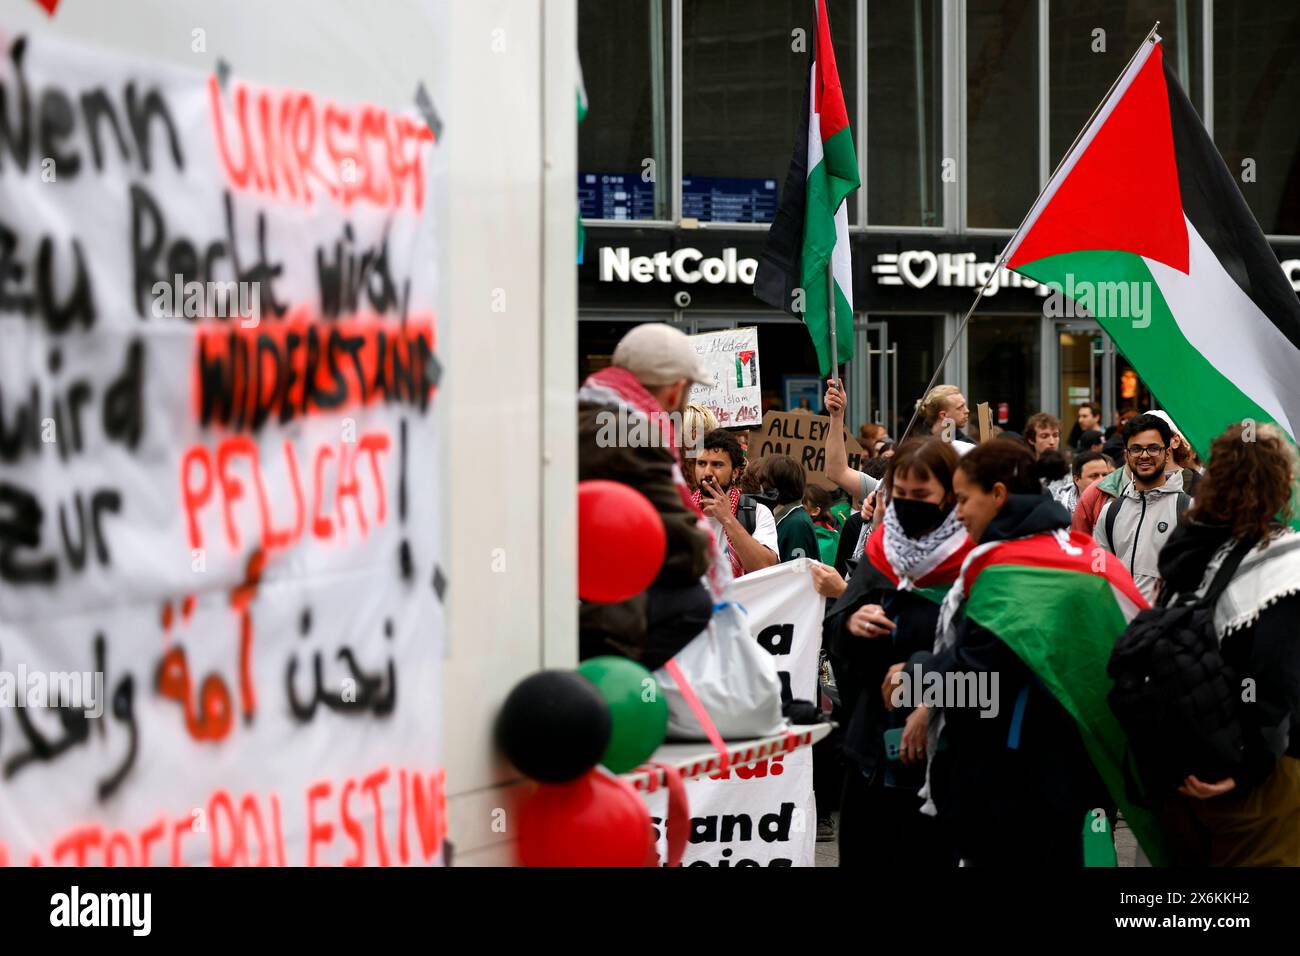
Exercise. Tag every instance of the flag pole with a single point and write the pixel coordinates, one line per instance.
(830, 262)
(830, 313)
(1002, 256)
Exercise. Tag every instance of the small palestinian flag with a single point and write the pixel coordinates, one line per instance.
(746, 368)
(810, 232)
(1081, 605)
(1144, 228)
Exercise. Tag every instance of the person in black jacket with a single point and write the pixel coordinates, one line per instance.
(1013, 784)
(887, 613)
(1252, 818)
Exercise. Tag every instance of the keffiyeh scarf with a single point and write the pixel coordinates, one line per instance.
(737, 569)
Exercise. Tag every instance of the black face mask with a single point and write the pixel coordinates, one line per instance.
(918, 518)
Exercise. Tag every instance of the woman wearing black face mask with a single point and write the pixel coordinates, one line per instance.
(888, 612)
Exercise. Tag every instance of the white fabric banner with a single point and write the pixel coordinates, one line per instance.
(764, 814)
(219, 492)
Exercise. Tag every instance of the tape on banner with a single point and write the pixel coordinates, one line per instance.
(678, 828)
(701, 715)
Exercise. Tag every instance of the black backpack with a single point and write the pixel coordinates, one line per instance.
(1176, 699)
(747, 513)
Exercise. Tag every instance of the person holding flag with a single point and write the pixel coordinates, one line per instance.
(806, 268)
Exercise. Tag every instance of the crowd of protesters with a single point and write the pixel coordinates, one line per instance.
(896, 544)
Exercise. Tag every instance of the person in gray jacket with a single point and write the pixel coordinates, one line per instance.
(1135, 525)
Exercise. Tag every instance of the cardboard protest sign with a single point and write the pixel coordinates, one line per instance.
(731, 357)
(985, 422)
(219, 484)
(763, 814)
(803, 437)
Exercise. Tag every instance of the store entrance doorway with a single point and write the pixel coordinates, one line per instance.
(1085, 370)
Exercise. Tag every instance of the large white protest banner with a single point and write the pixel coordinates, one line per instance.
(219, 489)
(731, 358)
(764, 814)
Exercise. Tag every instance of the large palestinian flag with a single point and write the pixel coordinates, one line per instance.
(1075, 594)
(1143, 226)
(810, 232)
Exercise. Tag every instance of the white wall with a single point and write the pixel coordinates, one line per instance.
(512, 114)
(502, 75)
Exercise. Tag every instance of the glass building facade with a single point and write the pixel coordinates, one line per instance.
(960, 111)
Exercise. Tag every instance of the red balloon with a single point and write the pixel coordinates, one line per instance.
(596, 820)
(621, 541)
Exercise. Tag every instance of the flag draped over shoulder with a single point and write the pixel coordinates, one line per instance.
(1082, 603)
(1143, 227)
(810, 232)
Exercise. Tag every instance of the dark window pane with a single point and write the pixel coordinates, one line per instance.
(742, 95)
(904, 91)
(1002, 361)
(598, 337)
(1256, 92)
(1081, 72)
(624, 48)
(918, 341)
(1001, 111)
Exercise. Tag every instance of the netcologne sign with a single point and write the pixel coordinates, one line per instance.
(617, 264)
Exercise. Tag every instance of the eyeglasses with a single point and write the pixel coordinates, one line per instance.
(1137, 451)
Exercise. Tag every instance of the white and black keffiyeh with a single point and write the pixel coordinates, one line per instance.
(1270, 572)
(913, 558)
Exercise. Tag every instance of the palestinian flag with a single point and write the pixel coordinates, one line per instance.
(810, 232)
(1081, 605)
(935, 577)
(746, 368)
(1144, 227)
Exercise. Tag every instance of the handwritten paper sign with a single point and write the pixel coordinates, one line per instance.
(731, 356)
(220, 589)
(802, 436)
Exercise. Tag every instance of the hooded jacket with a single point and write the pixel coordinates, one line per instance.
(1143, 524)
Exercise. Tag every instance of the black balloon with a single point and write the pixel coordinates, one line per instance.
(554, 726)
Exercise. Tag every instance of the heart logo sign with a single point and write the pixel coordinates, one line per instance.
(907, 267)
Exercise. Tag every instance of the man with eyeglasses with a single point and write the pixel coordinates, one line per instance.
(1135, 524)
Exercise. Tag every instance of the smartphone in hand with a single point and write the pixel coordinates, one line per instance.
(893, 742)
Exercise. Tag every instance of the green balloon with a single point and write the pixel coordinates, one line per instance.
(637, 706)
